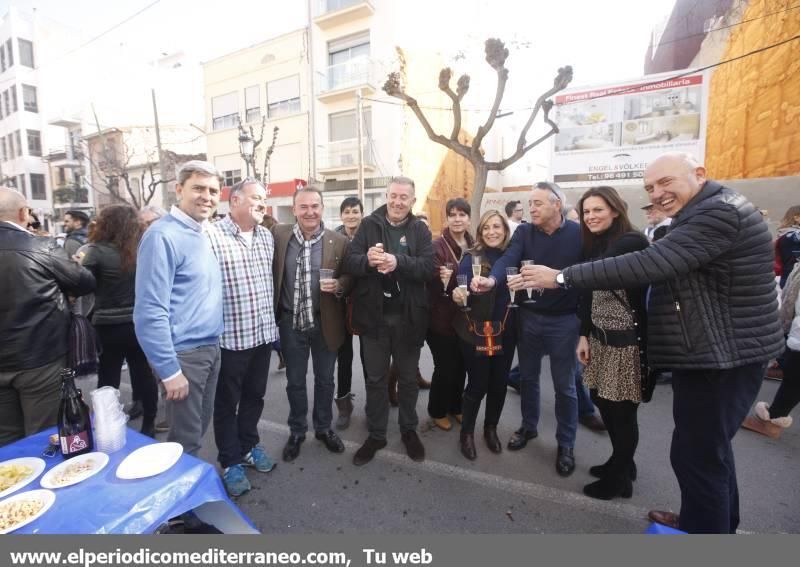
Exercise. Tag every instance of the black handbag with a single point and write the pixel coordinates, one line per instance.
(84, 347)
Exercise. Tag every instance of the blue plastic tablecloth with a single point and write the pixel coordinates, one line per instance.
(105, 504)
(660, 529)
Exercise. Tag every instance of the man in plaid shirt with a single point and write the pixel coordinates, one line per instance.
(244, 250)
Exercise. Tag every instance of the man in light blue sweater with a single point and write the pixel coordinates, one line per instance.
(178, 309)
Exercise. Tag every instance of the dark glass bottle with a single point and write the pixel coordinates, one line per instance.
(74, 426)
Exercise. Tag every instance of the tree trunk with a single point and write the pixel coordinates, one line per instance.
(478, 187)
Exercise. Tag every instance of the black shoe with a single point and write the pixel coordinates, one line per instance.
(520, 438)
(565, 461)
(149, 429)
(367, 451)
(135, 409)
(492, 441)
(292, 447)
(599, 471)
(414, 447)
(607, 488)
(467, 444)
(332, 441)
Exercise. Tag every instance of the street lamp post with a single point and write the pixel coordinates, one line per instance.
(246, 146)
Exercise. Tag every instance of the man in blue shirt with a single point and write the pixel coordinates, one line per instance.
(178, 309)
(550, 325)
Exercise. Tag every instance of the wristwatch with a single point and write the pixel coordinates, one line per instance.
(561, 281)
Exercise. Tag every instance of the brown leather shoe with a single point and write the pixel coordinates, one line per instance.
(669, 519)
(414, 447)
(592, 422)
(467, 444)
(393, 387)
(367, 451)
(421, 382)
(492, 441)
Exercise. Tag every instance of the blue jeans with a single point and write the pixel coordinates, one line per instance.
(585, 404)
(296, 346)
(556, 336)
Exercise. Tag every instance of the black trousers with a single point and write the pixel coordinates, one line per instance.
(119, 344)
(242, 382)
(709, 407)
(788, 395)
(623, 431)
(487, 376)
(344, 365)
(449, 374)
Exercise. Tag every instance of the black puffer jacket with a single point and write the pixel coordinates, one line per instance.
(412, 273)
(713, 302)
(34, 314)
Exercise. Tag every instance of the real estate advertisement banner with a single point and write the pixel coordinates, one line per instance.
(609, 134)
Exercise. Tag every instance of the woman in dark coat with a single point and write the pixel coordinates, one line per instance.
(447, 382)
(612, 341)
(486, 374)
(111, 257)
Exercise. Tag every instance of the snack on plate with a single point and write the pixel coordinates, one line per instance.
(16, 512)
(12, 474)
(73, 471)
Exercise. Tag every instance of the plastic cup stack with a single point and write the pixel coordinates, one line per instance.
(109, 420)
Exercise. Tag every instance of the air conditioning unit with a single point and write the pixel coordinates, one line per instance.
(348, 159)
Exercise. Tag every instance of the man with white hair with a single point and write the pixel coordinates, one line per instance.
(548, 327)
(391, 258)
(244, 250)
(712, 320)
(178, 309)
(34, 320)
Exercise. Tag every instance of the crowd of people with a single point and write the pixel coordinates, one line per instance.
(196, 308)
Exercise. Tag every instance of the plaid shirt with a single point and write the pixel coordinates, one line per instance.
(247, 295)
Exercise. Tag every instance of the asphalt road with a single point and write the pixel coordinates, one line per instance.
(515, 492)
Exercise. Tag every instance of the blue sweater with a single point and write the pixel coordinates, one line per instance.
(178, 293)
(558, 251)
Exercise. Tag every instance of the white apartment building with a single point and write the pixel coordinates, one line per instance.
(27, 45)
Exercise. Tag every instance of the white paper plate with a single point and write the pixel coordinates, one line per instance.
(149, 460)
(47, 497)
(49, 480)
(35, 463)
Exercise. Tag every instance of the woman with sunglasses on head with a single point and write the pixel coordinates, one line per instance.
(486, 375)
(111, 257)
(612, 341)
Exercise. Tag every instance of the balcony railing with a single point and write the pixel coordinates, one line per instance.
(322, 7)
(343, 155)
(67, 153)
(331, 13)
(353, 73)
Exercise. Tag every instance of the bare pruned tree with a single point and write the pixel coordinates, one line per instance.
(113, 172)
(251, 161)
(496, 56)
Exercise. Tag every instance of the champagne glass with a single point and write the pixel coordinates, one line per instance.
(476, 266)
(512, 272)
(448, 274)
(462, 284)
(530, 289)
